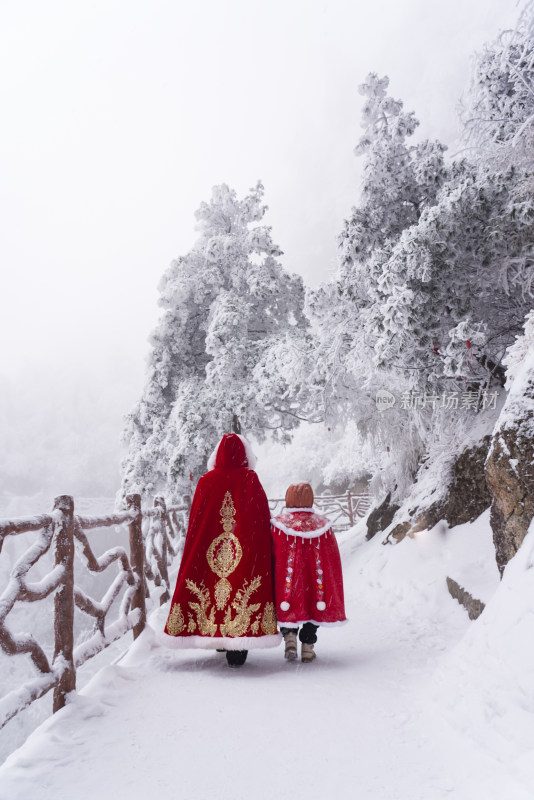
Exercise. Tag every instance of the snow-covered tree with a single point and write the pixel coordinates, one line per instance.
(499, 125)
(226, 304)
(444, 307)
(400, 178)
(432, 286)
(460, 280)
(499, 104)
(435, 259)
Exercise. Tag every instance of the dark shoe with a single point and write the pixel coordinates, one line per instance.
(308, 633)
(236, 658)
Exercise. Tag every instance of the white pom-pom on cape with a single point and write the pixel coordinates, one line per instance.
(284, 605)
(321, 605)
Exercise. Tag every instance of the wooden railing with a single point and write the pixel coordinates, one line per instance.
(343, 510)
(150, 553)
(156, 538)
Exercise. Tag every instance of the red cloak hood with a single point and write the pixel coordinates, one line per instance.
(233, 451)
(230, 453)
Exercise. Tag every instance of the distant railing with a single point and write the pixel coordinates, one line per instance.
(344, 510)
(151, 553)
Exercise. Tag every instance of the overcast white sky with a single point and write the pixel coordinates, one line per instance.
(119, 117)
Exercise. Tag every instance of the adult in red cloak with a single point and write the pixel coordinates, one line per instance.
(308, 577)
(224, 591)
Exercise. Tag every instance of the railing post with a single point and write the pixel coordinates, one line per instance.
(137, 560)
(159, 503)
(64, 600)
(351, 514)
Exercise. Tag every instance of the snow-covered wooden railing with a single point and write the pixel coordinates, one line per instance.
(343, 509)
(148, 560)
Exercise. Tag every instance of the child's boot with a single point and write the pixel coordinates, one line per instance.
(307, 653)
(290, 640)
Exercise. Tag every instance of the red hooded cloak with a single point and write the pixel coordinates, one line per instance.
(224, 590)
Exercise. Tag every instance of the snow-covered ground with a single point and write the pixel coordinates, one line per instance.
(409, 701)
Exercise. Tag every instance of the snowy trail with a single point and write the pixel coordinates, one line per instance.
(353, 724)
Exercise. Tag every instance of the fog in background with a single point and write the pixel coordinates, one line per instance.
(117, 119)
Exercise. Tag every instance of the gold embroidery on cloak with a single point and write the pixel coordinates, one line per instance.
(239, 625)
(192, 625)
(225, 553)
(256, 625)
(175, 621)
(206, 624)
(268, 622)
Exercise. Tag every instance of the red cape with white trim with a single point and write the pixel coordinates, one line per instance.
(224, 590)
(308, 583)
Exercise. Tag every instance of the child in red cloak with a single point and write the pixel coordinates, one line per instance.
(224, 591)
(308, 581)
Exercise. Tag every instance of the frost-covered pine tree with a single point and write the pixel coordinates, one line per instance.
(498, 111)
(498, 116)
(436, 271)
(443, 308)
(400, 179)
(432, 285)
(460, 281)
(226, 304)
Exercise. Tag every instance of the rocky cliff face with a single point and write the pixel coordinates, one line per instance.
(466, 497)
(510, 462)
(497, 472)
(510, 475)
(468, 494)
(381, 517)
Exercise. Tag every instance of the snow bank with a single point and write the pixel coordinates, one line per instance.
(410, 577)
(485, 685)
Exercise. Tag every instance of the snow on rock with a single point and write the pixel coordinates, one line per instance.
(450, 484)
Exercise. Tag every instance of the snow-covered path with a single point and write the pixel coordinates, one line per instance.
(353, 724)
